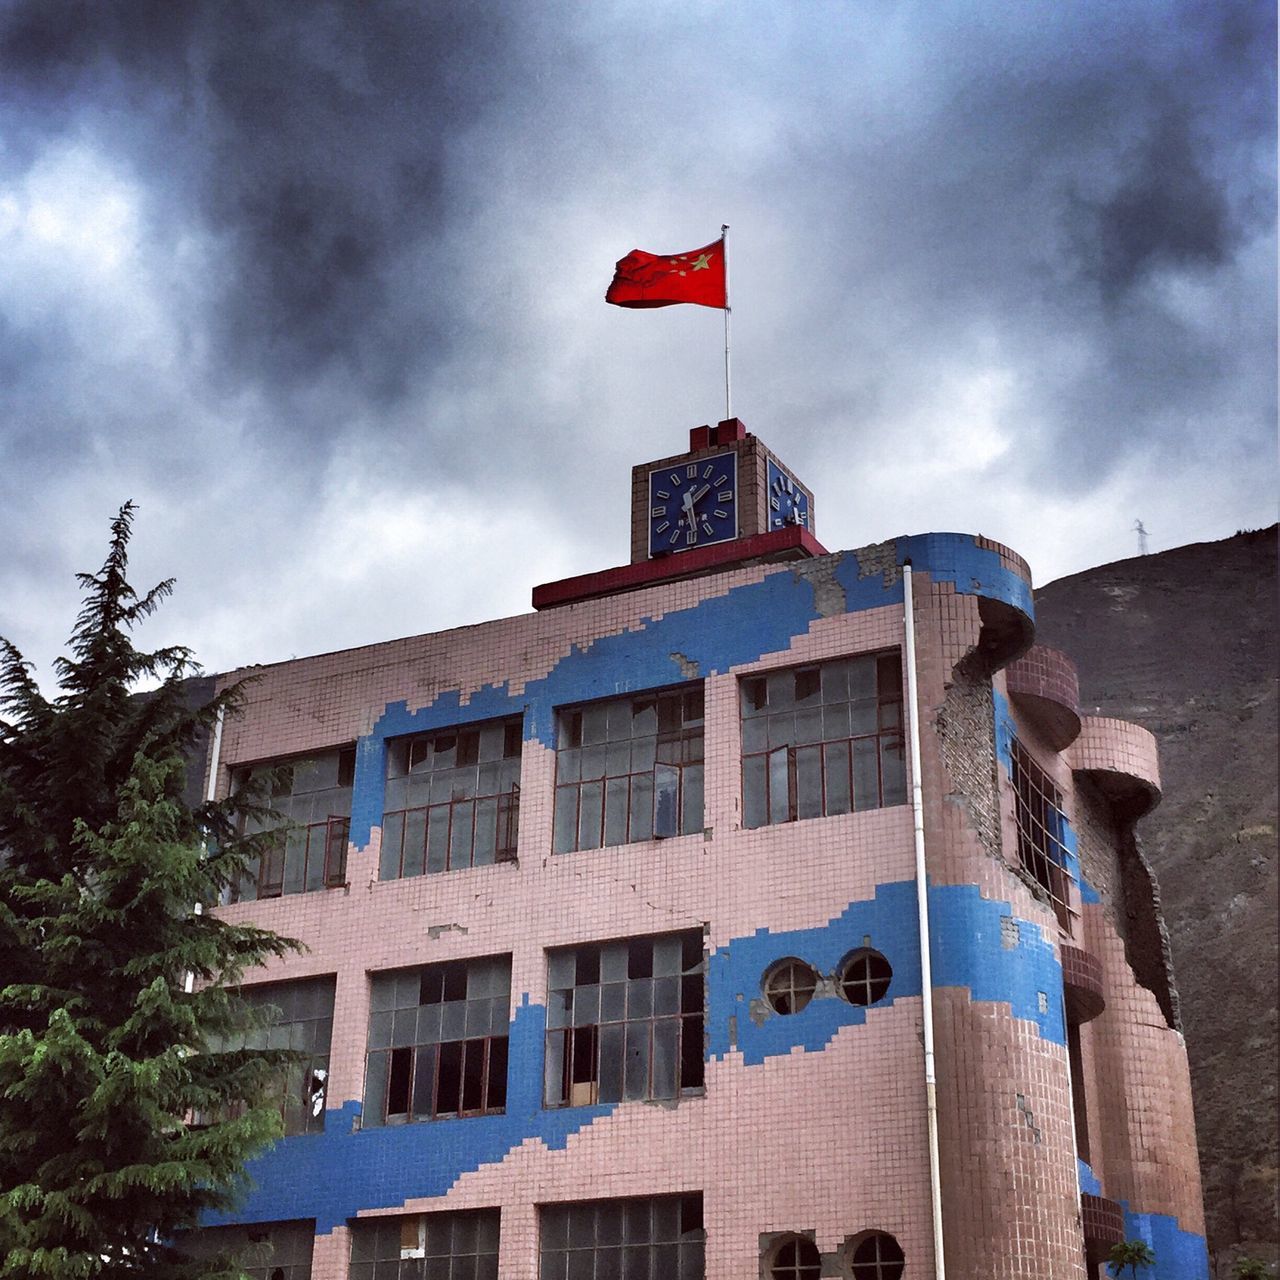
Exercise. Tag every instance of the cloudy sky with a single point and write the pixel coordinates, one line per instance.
(320, 287)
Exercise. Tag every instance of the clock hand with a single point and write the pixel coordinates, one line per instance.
(687, 503)
(702, 493)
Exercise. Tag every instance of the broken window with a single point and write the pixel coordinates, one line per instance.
(311, 800)
(1041, 831)
(442, 1246)
(865, 977)
(624, 1020)
(438, 1041)
(651, 1238)
(876, 1256)
(789, 986)
(822, 740)
(265, 1251)
(795, 1258)
(298, 1016)
(452, 799)
(629, 770)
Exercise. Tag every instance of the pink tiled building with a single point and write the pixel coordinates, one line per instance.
(614, 917)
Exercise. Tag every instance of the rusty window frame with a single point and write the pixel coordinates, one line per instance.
(657, 792)
(272, 1250)
(794, 1258)
(451, 831)
(455, 1243)
(311, 854)
(656, 1237)
(611, 1009)
(438, 1041)
(804, 754)
(1041, 822)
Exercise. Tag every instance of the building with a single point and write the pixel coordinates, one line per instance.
(614, 963)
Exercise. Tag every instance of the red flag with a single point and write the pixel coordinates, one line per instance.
(656, 280)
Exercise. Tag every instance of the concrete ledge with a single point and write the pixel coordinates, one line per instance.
(1043, 683)
(1122, 759)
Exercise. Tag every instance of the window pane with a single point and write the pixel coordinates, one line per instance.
(566, 820)
(755, 792)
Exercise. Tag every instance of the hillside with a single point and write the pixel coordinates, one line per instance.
(1184, 642)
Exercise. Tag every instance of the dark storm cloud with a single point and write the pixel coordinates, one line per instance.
(356, 292)
(311, 138)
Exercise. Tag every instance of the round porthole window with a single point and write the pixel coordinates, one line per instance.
(789, 986)
(795, 1258)
(865, 977)
(876, 1255)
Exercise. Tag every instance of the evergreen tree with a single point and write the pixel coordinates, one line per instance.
(107, 1061)
(1132, 1254)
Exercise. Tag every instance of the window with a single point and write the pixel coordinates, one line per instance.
(624, 1020)
(656, 1238)
(865, 977)
(299, 1016)
(270, 1251)
(629, 770)
(822, 740)
(438, 1042)
(876, 1256)
(1041, 827)
(312, 799)
(795, 1258)
(442, 1246)
(789, 986)
(452, 800)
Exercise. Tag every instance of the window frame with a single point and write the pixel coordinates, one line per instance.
(400, 826)
(372, 1252)
(579, 1035)
(674, 787)
(390, 1066)
(773, 788)
(559, 1241)
(1040, 821)
(324, 841)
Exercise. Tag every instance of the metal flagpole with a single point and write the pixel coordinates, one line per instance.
(728, 311)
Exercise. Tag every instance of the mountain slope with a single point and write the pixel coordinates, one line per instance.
(1185, 643)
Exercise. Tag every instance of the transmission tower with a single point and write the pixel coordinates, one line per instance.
(1142, 537)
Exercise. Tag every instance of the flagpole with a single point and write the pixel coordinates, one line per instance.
(728, 311)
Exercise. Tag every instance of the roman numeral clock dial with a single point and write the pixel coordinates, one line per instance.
(693, 504)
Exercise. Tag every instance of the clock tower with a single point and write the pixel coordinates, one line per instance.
(726, 488)
(725, 502)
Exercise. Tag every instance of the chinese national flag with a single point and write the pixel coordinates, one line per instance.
(657, 280)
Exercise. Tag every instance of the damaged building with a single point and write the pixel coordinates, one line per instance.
(743, 910)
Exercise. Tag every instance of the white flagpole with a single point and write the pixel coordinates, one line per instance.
(728, 311)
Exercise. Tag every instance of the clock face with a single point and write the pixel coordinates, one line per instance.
(788, 502)
(693, 504)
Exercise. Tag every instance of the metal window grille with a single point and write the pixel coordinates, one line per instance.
(452, 800)
(795, 1259)
(625, 1021)
(311, 799)
(822, 740)
(656, 1238)
(865, 977)
(438, 1042)
(789, 986)
(628, 770)
(442, 1246)
(877, 1256)
(1041, 824)
(268, 1251)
